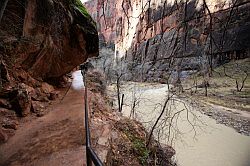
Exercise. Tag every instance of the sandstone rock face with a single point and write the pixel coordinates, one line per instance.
(40, 42)
(151, 33)
(3, 136)
(51, 37)
(116, 19)
(43, 41)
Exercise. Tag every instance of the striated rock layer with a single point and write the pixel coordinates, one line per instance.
(147, 32)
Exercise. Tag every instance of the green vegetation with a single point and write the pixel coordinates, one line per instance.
(82, 8)
(130, 148)
(77, 4)
(139, 147)
(229, 85)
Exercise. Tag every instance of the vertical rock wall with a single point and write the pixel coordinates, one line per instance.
(50, 37)
(151, 33)
(131, 23)
(40, 42)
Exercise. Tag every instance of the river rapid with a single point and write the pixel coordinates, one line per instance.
(197, 139)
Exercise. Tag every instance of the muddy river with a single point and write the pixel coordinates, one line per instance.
(197, 139)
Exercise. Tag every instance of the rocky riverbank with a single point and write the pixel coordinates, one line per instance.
(236, 119)
(119, 140)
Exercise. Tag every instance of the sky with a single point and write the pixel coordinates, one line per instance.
(84, 1)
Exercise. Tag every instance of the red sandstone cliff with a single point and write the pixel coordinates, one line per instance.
(131, 23)
(50, 37)
(192, 33)
(40, 42)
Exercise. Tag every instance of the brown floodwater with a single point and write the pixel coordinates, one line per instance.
(197, 139)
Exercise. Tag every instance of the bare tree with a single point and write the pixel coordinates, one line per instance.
(157, 120)
(168, 116)
(118, 90)
(239, 77)
(136, 99)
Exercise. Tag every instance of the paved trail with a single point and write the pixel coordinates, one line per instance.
(54, 139)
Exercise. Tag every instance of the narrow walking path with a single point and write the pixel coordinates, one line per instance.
(54, 139)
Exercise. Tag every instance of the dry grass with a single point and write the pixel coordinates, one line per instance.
(222, 88)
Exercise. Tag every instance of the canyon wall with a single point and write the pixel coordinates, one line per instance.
(40, 42)
(50, 37)
(150, 33)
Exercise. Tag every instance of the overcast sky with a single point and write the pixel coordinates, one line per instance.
(84, 1)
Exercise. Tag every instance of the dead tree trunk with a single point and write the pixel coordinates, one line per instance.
(118, 95)
(122, 102)
(158, 119)
(118, 88)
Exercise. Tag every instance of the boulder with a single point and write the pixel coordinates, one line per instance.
(9, 123)
(24, 102)
(54, 95)
(38, 108)
(47, 88)
(21, 100)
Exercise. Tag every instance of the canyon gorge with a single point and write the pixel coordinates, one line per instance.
(125, 82)
(198, 49)
(151, 33)
(42, 44)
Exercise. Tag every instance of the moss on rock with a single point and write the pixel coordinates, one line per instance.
(82, 8)
(86, 24)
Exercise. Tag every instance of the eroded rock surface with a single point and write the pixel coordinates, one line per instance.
(152, 34)
(52, 37)
(40, 42)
